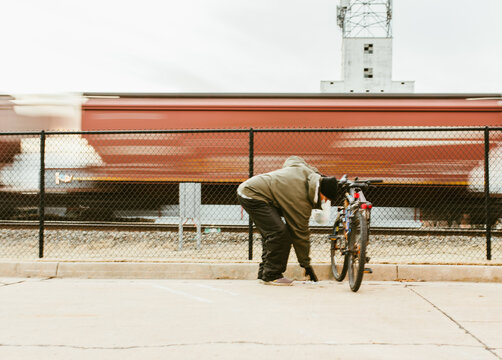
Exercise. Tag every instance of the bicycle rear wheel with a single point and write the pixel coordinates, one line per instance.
(339, 256)
(358, 239)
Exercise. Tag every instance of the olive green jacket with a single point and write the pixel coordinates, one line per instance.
(292, 189)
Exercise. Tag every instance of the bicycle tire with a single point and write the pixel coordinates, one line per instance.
(339, 260)
(358, 239)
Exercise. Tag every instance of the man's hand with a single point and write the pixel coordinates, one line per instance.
(309, 271)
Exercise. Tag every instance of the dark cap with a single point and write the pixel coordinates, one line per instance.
(329, 187)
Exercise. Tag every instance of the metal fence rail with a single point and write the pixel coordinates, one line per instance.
(171, 194)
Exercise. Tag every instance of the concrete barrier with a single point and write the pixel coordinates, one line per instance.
(28, 269)
(182, 270)
(473, 273)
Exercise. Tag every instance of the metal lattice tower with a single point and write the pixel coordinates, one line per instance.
(366, 49)
(365, 18)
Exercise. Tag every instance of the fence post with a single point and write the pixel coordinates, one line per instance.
(487, 196)
(41, 212)
(251, 171)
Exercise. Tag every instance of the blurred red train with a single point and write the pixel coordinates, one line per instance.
(399, 157)
(418, 166)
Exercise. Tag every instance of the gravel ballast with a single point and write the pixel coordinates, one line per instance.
(233, 246)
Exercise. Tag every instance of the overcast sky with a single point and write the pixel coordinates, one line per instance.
(236, 45)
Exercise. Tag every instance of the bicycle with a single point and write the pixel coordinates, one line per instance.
(349, 238)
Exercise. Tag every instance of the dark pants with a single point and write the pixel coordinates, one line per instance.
(276, 242)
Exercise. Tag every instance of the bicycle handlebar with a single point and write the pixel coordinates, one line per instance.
(358, 183)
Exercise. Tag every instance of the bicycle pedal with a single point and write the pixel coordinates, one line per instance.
(368, 271)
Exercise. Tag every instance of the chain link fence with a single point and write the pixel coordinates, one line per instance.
(171, 195)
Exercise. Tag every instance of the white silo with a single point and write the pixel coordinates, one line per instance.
(366, 49)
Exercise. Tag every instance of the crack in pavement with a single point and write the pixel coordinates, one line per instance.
(14, 283)
(485, 346)
(23, 281)
(232, 343)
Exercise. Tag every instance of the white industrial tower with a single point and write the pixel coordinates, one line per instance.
(366, 49)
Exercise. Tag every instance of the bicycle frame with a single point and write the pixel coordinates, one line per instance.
(352, 204)
(358, 202)
(352, 247)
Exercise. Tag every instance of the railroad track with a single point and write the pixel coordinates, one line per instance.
(134, 226)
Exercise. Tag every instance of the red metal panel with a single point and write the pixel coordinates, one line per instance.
(296, 104)
(397, 157)
(188, 119)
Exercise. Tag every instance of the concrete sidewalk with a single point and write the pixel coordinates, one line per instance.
(243, 319)
(237, 271)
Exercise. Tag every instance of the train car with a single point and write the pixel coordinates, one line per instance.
(10, 146)
(418, 157)
(418, 167)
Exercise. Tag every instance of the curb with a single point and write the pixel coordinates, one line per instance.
(238, 271)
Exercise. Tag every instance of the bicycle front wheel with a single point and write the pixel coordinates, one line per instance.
(339, 256)
(358, 239)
